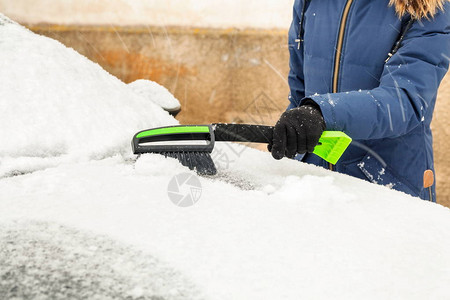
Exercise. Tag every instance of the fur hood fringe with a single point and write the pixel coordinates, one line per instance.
(418, 9)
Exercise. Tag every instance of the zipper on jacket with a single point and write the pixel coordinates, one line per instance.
(340, 41)
(337, 59)
(300, 29)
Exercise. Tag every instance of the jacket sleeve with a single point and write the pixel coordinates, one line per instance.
(295, 78)
(407, 90)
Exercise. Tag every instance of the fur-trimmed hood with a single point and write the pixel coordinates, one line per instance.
(418, 9)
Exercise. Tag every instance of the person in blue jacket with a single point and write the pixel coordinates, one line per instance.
(372, 70)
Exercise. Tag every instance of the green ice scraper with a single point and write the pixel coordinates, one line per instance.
(192, 144)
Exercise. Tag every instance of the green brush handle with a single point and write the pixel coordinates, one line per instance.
(332, 144)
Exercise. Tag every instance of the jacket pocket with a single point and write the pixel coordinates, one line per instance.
(378, 174)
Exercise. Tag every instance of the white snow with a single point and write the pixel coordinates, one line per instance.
(263, 229)
(56, 105)
(155, 93)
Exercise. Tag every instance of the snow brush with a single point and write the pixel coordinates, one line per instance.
(192, 144)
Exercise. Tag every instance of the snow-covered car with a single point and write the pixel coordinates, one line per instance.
(81, 217)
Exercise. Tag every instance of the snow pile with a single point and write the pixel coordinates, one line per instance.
(262, 229)
(156, 93)
(56, 105)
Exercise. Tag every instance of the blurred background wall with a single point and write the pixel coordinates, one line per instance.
(225, 60)
(199, 13)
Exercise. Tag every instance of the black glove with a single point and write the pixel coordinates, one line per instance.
(297, 131)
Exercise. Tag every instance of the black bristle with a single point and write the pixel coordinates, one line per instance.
(199, 161)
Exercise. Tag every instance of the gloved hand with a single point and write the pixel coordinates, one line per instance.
(297, 131)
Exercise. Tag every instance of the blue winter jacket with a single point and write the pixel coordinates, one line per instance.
(338, 59)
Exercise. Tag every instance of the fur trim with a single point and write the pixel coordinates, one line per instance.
(418, 9)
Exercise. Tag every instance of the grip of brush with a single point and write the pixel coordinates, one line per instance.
(331, 147)
(243, 133)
